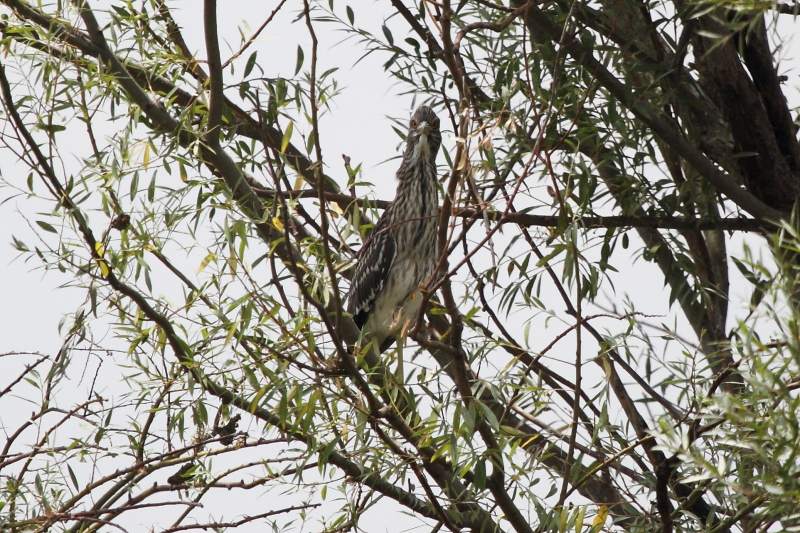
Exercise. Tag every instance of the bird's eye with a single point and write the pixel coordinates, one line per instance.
(435, 123)
(413, 124)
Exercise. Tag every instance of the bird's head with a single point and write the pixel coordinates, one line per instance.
(424, 137)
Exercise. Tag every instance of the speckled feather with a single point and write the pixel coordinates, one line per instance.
(400, 252)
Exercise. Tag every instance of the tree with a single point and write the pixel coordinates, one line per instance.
(536, 394)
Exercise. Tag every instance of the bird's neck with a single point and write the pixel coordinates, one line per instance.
(417, 181)
(421, 149)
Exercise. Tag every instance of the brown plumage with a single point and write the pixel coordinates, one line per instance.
(400, 252)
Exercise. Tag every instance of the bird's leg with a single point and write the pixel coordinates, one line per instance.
(400, 324)
(401, 343)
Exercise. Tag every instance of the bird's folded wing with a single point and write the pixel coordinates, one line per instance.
(374, 262)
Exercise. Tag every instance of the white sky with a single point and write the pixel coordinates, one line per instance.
(358, 127)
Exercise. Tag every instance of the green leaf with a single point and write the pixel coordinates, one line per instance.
(51, 128)
(251, 61)
(546, 259)
(45, 226)
(579, 518)
(489, 415)
(134, 184)
(350, 15)
(479, 475)
(73, 478)
(287, 135)
(388, 34)
(300, 58)
(325, 452)
(19, 245)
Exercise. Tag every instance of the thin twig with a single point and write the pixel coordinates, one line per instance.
(255, 35)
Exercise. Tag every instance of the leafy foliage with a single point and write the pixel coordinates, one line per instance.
(599, 152)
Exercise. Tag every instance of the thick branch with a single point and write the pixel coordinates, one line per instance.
(216, 100)
(651, 117)
(769, 171)
(245, 125)
(758, 59)
(551, 221)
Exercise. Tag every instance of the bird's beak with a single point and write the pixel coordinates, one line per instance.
(424, 128)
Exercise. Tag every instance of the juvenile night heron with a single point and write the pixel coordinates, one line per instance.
(400, 252)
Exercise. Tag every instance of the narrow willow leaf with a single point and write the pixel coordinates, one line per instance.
(146, 155)
(287, 135)
(45, 226)
(300, 57)
(579, 518)
(251, 61)
(204, 263)
(600, 519)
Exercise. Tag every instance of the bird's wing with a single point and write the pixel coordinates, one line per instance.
(374, 261)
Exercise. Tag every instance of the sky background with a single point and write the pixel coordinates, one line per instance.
(358, 125)
(37, 302)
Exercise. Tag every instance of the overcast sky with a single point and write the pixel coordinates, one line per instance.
(356, 126)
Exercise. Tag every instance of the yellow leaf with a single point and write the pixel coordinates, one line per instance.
(184, 176)
(231, 331)
(99, 248)
(204, 263)
(298, 183)
(287, 135)
(337, 208)
(103, 267)
(462, 163)
(607, 367)
(510, 124)
(441, 451)
(146, 155)
(600, 519)
(277, 223)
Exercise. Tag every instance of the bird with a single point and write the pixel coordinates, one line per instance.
(400, 253)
